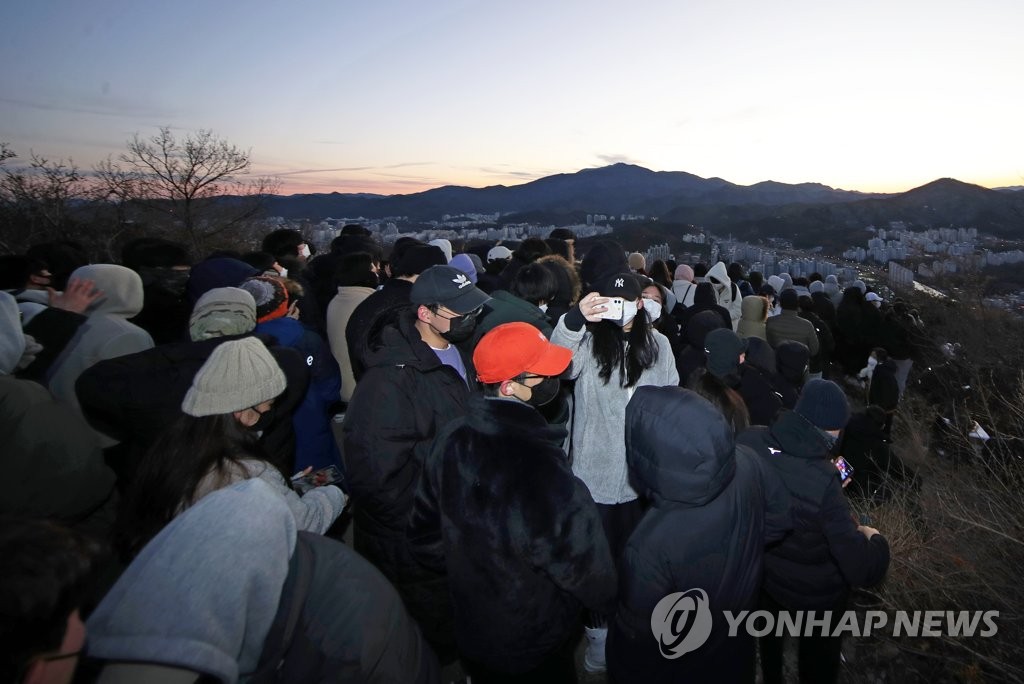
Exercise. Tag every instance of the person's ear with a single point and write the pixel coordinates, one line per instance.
(247, 417)
(423, 313)
(507, 389)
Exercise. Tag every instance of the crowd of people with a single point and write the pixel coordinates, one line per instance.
(529, 447)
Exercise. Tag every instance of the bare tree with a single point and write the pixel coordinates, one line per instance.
(39, 200)
(184, 180)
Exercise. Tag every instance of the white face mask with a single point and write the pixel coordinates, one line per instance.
(628, 313)
(653, 309)
(543, 307)
(304, 251)
(283, 273)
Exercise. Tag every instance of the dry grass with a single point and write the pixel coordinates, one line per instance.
(958, 543)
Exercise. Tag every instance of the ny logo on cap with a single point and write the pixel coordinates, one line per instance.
(461, 280)
(619, 282)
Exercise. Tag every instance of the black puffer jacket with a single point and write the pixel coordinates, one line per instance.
(704, 299)
(715, 506)
(370, 317)
(758, 382)
(404, 399)
(815, 566)
(692, 355)
(133, 397)
(518, 535)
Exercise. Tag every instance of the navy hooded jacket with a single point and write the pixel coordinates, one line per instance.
(714, 508)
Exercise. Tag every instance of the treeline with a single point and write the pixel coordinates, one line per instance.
(165, 185)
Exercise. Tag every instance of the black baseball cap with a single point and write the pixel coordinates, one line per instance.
(623, 285)
(449, 287)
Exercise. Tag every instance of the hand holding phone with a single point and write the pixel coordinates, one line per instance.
(306, 481)
(612, 309)
(845, 470)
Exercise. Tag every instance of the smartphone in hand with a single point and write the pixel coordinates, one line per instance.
(318, 478)
(844, 468)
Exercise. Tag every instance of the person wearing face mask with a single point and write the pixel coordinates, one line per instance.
(612, 357)
(827, 554)
(518, 580)
(416, 381)
(658, 302)
(315, 445)
(212, 443)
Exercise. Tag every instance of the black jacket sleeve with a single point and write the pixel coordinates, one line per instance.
(862, 562)
(52, 328)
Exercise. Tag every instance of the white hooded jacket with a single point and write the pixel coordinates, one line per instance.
(729, 295)
(106, 334)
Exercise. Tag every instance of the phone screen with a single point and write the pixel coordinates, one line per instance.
(319, 478)
(844, 468)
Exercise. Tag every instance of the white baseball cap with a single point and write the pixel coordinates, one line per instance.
(499, 253)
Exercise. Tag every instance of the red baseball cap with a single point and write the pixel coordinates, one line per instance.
(512, 349)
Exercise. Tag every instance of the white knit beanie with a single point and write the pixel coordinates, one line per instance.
(239, 374)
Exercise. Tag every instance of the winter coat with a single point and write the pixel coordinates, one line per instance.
(134, 397)
(878, 471)
(792, 359)
(814, 567)
(852, 346)
(404, 399)
(339, 312)
(826, 343)
(728, 294)
(789, 326)
(692, 356)
(715, 505)
(500, 512)
(504, 307)
(315, 511)
(684, 290)
(370, 317)
(826, 310)
(758, 382)
(598, 451)
(315, 444)
(54, 329)
(353, 630)
(752, 320)
(703, 300)
(106, 335)
(883, 389)
(53, 466)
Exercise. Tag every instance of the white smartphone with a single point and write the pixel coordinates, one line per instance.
(613, 309)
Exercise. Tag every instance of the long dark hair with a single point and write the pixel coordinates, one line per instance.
(169, 472)
(628, 353)
(725, 398)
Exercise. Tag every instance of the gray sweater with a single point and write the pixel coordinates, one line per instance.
(598, 431)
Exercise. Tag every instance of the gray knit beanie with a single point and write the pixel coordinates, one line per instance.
(239, 374)
(221, 312)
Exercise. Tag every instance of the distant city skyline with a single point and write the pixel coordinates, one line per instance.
(396, 96)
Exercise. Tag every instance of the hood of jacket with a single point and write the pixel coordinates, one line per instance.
(704, 295)
(798, 436)
(760, 355)
(12, 339)
(699, 326)
(401, 345)
(669, 458)
(719, 275)
(792, 358)
(605, 258)
(217, 272)
(754, 309)
(121, 287)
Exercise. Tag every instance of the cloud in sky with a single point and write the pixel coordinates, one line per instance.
(618, 159)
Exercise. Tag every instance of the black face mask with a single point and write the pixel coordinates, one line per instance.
(544, 393)
(460, 328)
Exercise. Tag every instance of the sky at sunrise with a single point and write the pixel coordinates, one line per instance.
(398, 96)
